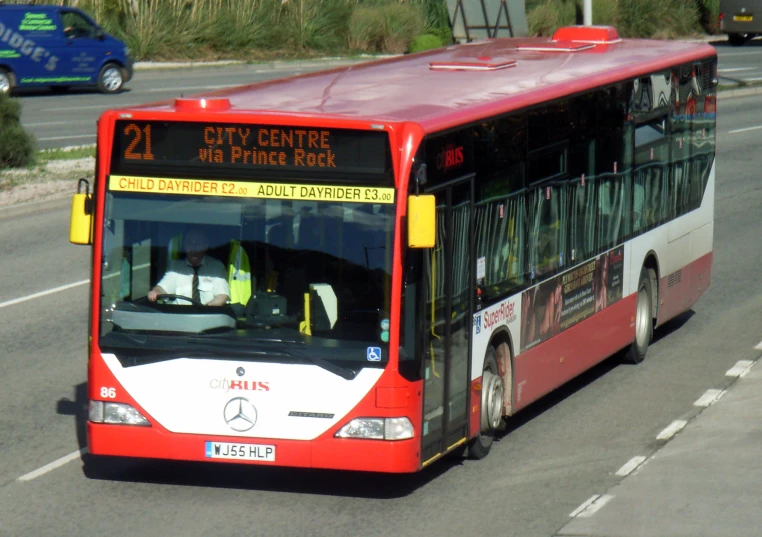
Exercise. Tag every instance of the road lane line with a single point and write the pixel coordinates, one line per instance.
(585, 505)
(745, 129)
(740, 369)
(42, 293)
(595, 506)
(53, 465)
(187, 88)
(709, 398)
(50, 138)
(671, 430)
(736, 69)
(630, 465)
(758, 346)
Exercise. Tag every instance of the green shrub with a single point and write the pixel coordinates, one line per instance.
(366, 29)
(402, 23)
(384, 27)
(663, 19)
(425, 42)
(545, 18)
(16, 145)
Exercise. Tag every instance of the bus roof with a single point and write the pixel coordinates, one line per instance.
(458, 84)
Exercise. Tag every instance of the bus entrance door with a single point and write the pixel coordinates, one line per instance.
(448, 309)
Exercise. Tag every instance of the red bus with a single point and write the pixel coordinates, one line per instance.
(399, 255)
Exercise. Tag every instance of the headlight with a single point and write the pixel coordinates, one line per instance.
(377, 429)
(126, 51)
(115, 413)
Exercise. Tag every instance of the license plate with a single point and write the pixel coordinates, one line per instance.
(743, 18)
(240, 452)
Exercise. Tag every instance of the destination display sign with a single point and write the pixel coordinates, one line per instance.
(244, 148)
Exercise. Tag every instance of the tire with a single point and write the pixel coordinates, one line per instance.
(5, 81)
(737, 40)
(110, 79)
(491, 407)
(644, 325)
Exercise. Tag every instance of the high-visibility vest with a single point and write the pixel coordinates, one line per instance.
(239, 274)
(175, 248)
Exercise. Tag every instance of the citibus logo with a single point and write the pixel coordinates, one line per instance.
(450, 157)
(504, 313)
(242, 385)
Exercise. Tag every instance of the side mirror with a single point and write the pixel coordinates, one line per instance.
(421, 221)
(100, 34)
(81, 220)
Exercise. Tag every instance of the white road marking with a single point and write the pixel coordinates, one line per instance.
(66, 137)
(585, 505)
(50, 123)
(758, 346)
(103, 106)
(42, 293)
(592, 507)
(53, 465)
(745, 129)
(740, 369)
(709, 398)
(671, 430)
(630, 465)
(735, 69)
(188, 88)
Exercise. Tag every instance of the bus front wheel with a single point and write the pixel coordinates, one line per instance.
(644, 325)
(491, 408)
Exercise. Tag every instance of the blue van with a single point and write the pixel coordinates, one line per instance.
(45, 45)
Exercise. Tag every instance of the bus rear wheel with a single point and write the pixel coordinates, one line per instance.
(491, 408)
(644, 325)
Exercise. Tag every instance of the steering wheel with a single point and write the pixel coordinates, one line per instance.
(169, 296)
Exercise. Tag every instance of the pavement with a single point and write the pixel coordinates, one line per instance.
(706, 480)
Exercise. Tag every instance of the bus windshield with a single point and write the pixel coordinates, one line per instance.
(305, 279)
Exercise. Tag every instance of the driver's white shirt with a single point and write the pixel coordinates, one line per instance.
(212, 279)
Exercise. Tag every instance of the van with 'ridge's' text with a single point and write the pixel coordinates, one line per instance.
(59, 47)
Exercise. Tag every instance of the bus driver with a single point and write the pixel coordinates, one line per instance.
(198, 276)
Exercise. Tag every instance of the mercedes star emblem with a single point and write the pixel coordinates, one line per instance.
(240, 415)
(240, 371)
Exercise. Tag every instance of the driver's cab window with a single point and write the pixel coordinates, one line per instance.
(76, 26)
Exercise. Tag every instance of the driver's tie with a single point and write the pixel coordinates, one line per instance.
(196, 296)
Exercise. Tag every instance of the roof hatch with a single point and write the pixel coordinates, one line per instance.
(483, 63)
(556, 46)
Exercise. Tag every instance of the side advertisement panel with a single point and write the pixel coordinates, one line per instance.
(568, 298)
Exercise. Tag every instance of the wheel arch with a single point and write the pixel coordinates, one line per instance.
(651, 263)
(500, 336)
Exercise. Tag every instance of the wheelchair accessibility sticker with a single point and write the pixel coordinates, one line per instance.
(374, 354)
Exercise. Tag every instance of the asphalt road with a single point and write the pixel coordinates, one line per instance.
(556, 454)
(68, 119)
(61, 120)
(739, 63)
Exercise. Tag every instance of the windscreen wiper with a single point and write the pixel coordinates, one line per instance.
(343, 372)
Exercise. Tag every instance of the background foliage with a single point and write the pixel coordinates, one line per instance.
(264, 29)
(17, 148)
